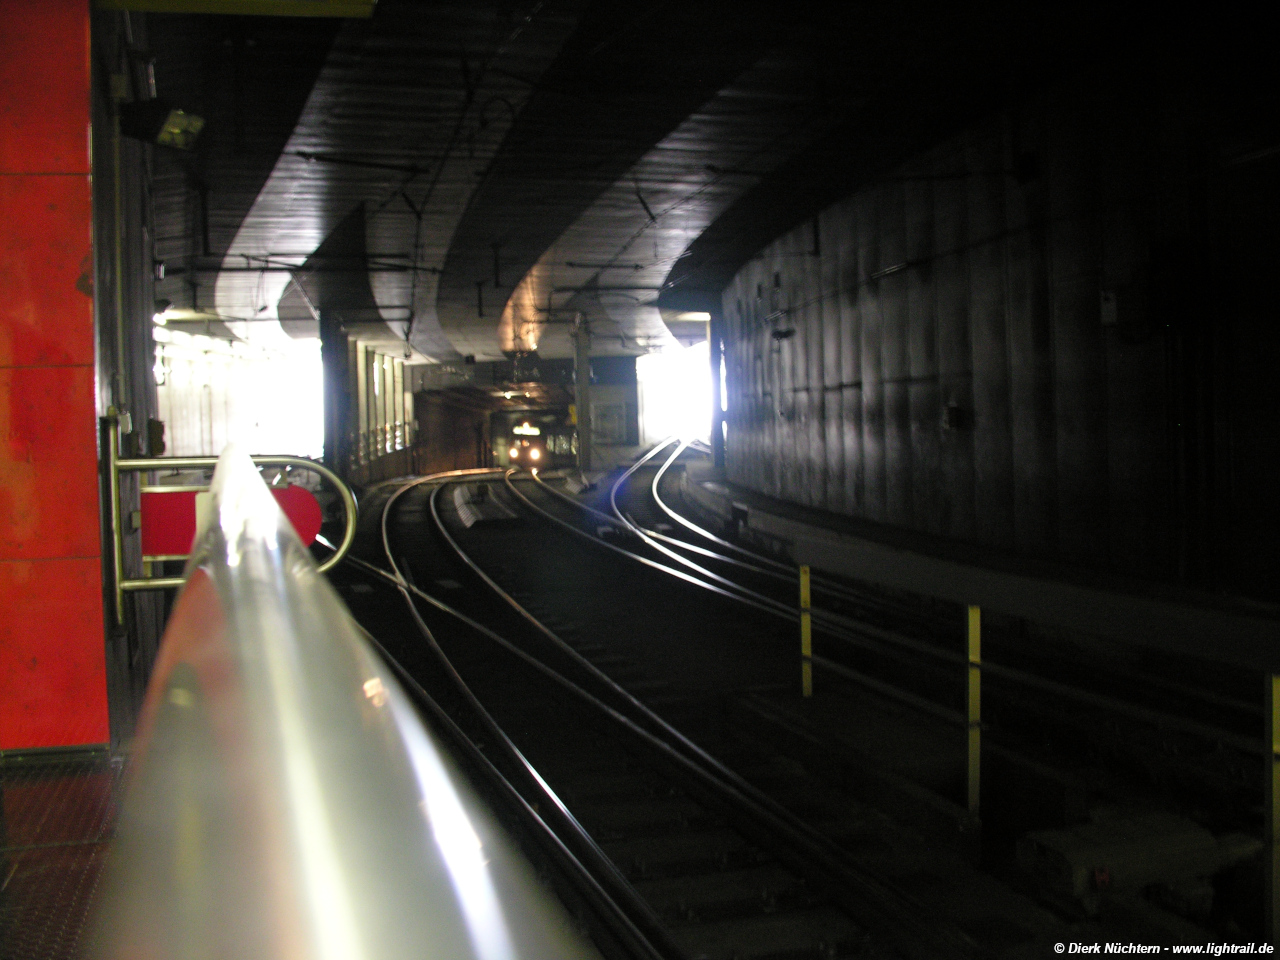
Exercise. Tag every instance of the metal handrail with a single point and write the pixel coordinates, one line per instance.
(284, 798)
(116, 465)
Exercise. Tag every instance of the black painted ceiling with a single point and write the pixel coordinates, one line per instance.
(249, 78)
(515, 164)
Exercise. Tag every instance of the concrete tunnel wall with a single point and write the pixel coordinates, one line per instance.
(1004, 341)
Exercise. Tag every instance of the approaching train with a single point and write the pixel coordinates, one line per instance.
(535, 440)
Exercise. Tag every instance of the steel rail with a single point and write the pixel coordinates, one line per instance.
(773, 568)
(712, 555)
(667, 552)
(557, 641)
(787, 575)
(586, 882)
(656, 534)
(849, 632)
(889, 903)
(603, 677)
(833, 625)
(627, 523)
(840, 628)
(845, 630)
(770, 607)
(524, 655)
(654, 940)
(666, 749)
(784, 571)
(700, 531)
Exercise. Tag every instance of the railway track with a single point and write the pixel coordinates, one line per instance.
(1174, 721)
(720, 869)
(710, 861)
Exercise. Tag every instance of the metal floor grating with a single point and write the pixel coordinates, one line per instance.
(57, 816)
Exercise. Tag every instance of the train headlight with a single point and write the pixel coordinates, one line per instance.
(514, 452)
(535, 453)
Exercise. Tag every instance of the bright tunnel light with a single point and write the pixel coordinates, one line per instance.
(675, 394)
(269, 398)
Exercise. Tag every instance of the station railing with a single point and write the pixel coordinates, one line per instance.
(283, 798)
(116, 465)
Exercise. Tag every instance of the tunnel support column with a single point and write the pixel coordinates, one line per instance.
(333, 359)
(973, 700)
(1271, 861)
(715, 350)
(582, 390)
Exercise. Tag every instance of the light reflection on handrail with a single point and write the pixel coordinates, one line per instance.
(284, 799)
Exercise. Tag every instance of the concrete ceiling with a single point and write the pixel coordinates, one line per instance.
(515, 165)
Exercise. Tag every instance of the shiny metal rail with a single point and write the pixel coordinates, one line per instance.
(116, 465)
(973, 666)
(755, 560)
(744, 558)
(628, 918)
(766, 605)
(685, 545)
(701, 531)
(647, 537)
(883, 639)
(837, 627)
(793, 840)
(284, 799)
(1268, 746)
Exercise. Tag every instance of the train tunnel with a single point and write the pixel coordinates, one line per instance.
(778, 480)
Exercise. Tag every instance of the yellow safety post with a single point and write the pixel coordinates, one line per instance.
(1271, 886)
(974, 700)
(806, 635)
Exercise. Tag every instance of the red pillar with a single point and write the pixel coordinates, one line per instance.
(52, 657)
